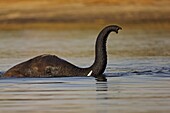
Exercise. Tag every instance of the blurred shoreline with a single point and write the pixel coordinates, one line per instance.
(164, 27)
(42, 14)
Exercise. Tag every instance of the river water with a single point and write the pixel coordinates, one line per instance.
(138, 83)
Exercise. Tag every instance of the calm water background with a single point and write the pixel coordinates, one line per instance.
(138, 73)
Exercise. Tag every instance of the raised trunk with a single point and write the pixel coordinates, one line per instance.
(100, 62)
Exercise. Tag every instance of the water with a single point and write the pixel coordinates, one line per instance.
(135, 84)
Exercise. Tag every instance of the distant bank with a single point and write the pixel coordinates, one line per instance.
(44, 13)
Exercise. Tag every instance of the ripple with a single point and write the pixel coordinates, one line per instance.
(162, 72)
(148, 71)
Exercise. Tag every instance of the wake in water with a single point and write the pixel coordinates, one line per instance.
(151, 67)
(152, 71)
(163, 71)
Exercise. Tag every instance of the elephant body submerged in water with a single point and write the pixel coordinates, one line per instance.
(53, 66)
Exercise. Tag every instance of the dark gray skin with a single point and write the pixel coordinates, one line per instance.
(53, 66)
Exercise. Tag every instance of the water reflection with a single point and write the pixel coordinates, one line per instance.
(76, 94)
(102, 101)
(101, 86)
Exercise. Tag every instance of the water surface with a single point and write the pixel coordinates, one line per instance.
(135, 84)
